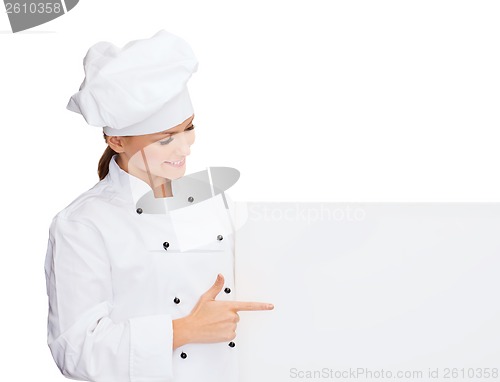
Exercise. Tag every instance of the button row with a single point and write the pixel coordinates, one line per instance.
(166, 244)
(231, 345)
(177, 299)
(140, 211)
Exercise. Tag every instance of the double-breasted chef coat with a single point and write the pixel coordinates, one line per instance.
(117, 276)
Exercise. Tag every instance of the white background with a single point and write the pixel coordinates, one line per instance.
(382, 286)
(310, 100)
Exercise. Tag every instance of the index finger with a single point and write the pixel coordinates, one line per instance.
(242, 305)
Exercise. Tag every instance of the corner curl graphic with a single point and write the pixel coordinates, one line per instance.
(26, 14)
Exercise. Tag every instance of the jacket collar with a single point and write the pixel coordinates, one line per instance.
(187, 190)
(129, 186)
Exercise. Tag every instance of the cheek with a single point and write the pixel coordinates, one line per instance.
(156, 153)
(152, 154)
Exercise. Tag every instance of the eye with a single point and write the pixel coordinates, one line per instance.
(170, 139)
(167, 141)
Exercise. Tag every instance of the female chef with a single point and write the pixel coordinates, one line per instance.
(136, 294)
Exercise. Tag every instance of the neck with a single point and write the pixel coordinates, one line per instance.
(164, 190)
(162, 187)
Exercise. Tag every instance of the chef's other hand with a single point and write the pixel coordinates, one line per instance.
(211, 320)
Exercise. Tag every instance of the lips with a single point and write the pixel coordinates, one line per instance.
(178, 163)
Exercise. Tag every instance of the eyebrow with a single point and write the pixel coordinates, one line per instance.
(166, 131)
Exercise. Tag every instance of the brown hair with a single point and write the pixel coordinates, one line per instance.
(103, 166)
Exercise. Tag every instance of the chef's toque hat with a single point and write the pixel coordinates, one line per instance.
(138, 89)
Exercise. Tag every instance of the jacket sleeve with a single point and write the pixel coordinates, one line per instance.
(85, 343)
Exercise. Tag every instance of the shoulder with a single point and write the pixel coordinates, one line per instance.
(90, 206)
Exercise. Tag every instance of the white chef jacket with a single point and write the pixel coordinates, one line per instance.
(116, 279)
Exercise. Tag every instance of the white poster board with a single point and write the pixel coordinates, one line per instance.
(369, 291)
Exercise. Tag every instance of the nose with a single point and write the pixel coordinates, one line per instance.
(182, 144)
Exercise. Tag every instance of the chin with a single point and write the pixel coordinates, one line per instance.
(176, 177)
(175, 174)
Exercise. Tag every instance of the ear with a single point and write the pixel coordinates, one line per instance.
(116, 143)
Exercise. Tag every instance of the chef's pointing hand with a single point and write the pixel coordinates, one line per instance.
(212, 293)
(211, 320)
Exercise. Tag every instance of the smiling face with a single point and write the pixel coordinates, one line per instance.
(156, 158)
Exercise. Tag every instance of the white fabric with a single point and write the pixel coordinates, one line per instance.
(111, 287)
(138, 89)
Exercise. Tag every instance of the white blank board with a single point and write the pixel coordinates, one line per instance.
(371, 289)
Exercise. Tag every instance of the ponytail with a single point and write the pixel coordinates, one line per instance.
(103, 166)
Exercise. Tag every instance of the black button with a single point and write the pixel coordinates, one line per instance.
(219, 237)
(190, 199)
(165, 245)
(231, 344)
(139, 211)
(227, 290)
(176, 300)
(183, 355)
